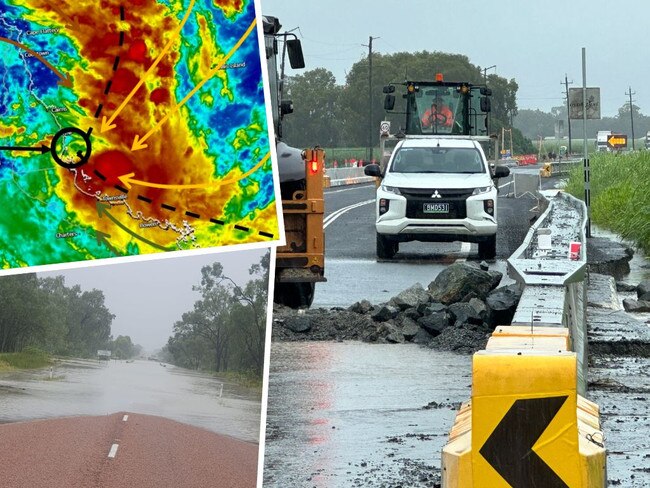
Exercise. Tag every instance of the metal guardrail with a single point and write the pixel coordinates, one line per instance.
(527, 423)
(555, 288)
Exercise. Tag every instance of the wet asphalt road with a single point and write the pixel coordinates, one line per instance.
(351, 414)
(342, 414)
(101, 388)
(351, 265)
(355, 414)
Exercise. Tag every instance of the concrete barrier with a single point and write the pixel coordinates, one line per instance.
(528, 423)
(347, 176)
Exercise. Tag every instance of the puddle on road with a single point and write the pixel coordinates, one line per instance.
(355, 414)
(94, 388)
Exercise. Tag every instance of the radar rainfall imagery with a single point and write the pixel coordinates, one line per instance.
(131, 127)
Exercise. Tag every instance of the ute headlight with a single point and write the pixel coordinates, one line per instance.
(390, 189)
(481, 190)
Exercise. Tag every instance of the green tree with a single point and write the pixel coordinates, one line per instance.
(226, 328)
(315, 119)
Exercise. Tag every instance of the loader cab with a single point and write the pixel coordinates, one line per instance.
(439, 107)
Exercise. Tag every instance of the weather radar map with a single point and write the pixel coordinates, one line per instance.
(131, 127)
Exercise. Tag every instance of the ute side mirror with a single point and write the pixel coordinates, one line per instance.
(389, 102)
(501, 172)
(389, 89)
(296, 58)
(486, 106)
(372, 170)
(486, 91)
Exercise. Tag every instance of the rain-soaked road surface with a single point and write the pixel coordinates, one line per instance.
(341, 414)
(100, 388)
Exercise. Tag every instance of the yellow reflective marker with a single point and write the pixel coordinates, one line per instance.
(524, 422)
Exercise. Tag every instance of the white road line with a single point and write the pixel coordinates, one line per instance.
(354, 187)
(506, 184)
(113, 451)
(335, 215)
(125, 418)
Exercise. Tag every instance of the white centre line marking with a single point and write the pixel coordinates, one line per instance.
(335, 215)
(125, 418)
(113, 451)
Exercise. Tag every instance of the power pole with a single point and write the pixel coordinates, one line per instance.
(568, 109)
(370, 131)
(630, 93)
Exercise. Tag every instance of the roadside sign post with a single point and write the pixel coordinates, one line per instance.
(584, 103)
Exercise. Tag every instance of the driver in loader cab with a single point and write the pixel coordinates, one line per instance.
(439, 115)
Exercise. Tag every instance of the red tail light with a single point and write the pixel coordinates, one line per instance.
(313, 167)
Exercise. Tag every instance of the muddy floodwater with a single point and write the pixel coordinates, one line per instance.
(98, 388)
(354, 414)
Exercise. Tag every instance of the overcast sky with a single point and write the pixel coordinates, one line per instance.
(147, 297)
(535, 42)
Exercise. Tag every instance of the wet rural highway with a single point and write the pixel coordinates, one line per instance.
(169, 426)
(347, 414)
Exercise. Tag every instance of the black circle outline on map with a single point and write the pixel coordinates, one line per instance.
(83, 159)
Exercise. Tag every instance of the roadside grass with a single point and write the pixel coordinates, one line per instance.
(620, 194)
(247, 380)
(29, 358)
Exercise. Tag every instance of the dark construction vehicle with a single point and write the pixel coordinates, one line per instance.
(300, 262)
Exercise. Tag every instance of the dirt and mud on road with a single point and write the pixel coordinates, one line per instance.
(364, 383)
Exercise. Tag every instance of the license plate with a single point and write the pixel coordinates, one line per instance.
(435, 208)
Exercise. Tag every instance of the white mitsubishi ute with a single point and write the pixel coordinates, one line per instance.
(437, 189)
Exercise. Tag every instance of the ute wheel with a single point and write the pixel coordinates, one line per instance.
(294, 295)
(488, 248)
(386, 247)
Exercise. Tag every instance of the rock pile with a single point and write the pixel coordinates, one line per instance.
(455, 312)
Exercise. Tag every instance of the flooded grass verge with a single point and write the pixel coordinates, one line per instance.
(30, 358)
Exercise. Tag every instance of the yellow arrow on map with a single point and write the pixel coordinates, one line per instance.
(107, 124)
(138, 143)
(128, 180)
(65, 79)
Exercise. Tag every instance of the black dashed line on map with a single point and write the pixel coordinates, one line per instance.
(121, 188)
(265, 234)
(115, 66)
(217, 221)
(192, 214)
(144, 199)
(100, 176)
(168, 207)
(242, 228)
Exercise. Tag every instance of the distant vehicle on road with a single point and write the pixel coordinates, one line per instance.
(437, 189)
(601, 140)
(647, 140)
